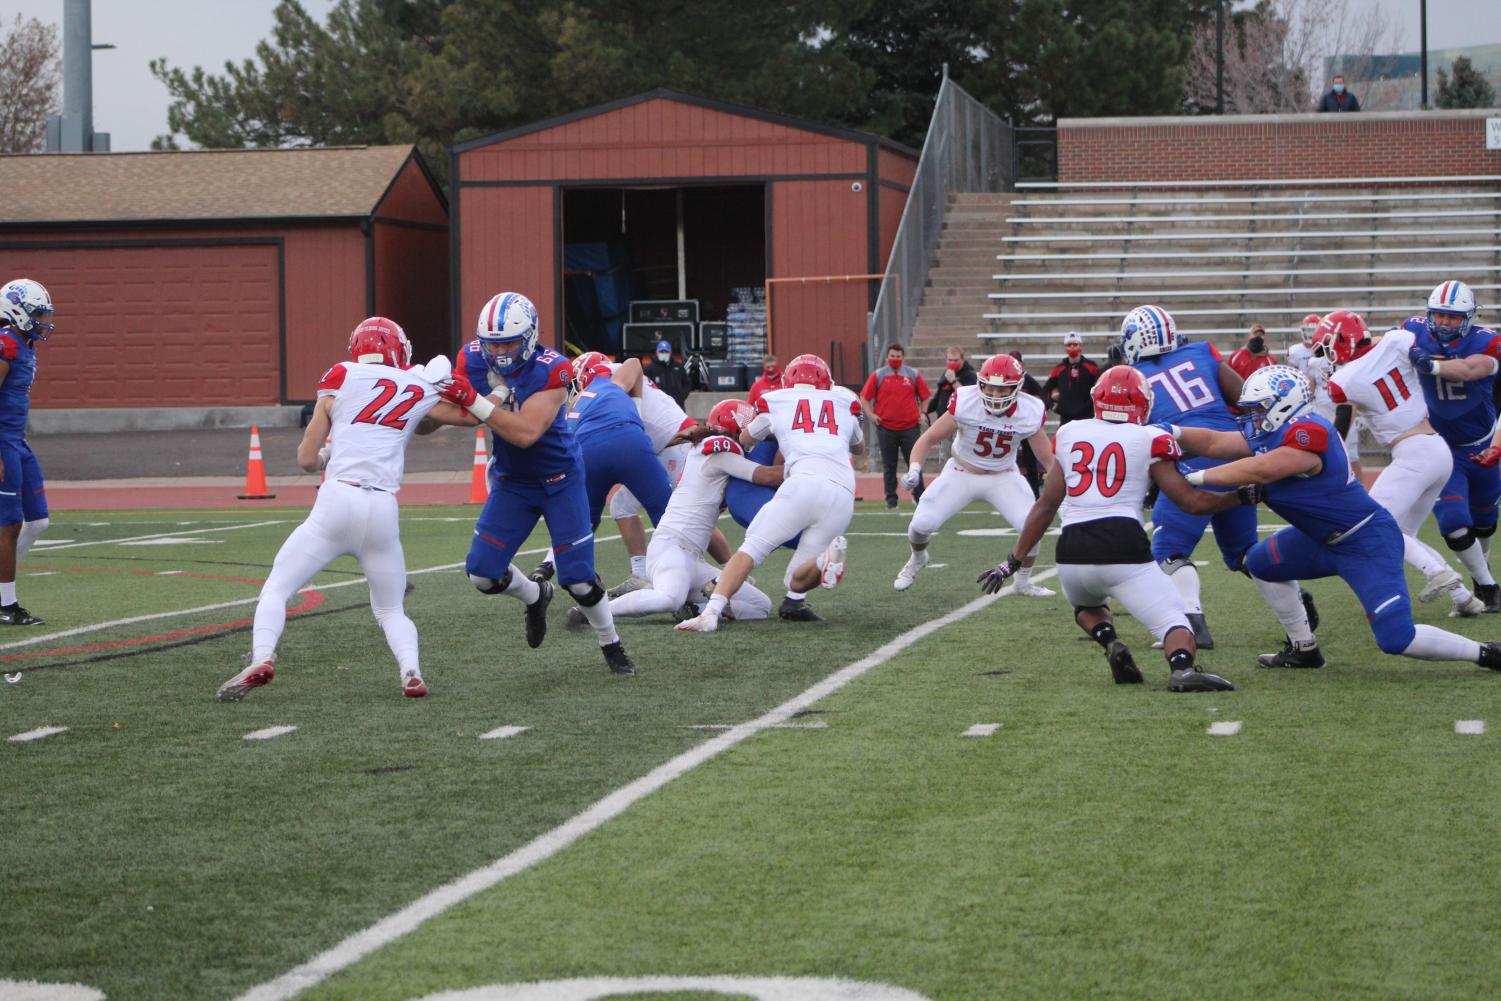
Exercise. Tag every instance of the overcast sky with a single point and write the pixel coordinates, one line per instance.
(131, 105)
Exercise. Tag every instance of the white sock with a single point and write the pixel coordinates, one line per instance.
(30, 532)
(603, 622)
(1473, 558)
(1432, 643)
(638, 567)
(800, 595)
(1024, 576)
(716, 605)
(1287, 605)
(1422, 556)
(401, 637)
(1485, 545)
(1186, 580)
(8, 593)
(522, 586)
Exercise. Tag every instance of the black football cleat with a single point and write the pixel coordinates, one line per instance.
(14, 615)
(536, 615)
(615, 656)
(1192, 680)
(1488, 593)
(1122, 667)
(1202, 638)
(1309, 609)
(797, 611)
(1293, 656)
(1490, 656)
(543, 572)
(688, 610)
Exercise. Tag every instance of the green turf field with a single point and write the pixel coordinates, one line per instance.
(1100, 843)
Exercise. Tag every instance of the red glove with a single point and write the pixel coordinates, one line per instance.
(1489, 457)
(459, 390)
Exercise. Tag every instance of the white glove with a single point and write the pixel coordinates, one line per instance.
(913, 477)
(323, 457)
(502, 395)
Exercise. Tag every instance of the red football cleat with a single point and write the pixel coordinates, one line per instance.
(254, 676)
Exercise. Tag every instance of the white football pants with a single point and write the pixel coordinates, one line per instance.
(1408, 486)
(956, 488)
(1142, 589)
(678, 572)
(345, 521)
(808, 503)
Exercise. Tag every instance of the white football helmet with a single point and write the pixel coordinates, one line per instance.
(26, 307)
(1147, 331)
(1275, 395)
(1452, 299)
(508, 331)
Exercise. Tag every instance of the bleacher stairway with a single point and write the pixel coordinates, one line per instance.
(1018, 270)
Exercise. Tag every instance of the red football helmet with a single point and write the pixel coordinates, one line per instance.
(379, 341)
(807, 370)
(1001, 380)
(729, 416)
(1310, 327)
(586, 366)
(1122, 395)
(1341, 335)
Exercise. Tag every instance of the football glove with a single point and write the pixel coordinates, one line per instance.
(995, 578)
(1424, 362)
(913, 478)
(459, 391)
(1251, 493)
(1489, 457)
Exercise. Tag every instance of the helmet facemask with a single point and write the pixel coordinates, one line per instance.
(999, 397)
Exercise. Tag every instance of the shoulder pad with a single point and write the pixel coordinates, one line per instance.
(720, 443)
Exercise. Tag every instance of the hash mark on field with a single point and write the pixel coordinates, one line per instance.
(1224, 728)
(269, 732)
(37, 734)
(982, 730)
(502, 732)
(1473, 727)
(167, 573)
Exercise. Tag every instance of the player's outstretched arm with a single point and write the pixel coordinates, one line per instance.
(943, 427)
(628, 376)
(1214, 444)
(1269, 467)
(1042, 448)
(1182, 493)
(1230, 383)
(315, 435)
(444, 415)
(521, 427)
(1044, 509)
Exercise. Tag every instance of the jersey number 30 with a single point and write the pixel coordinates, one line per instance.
(396, 417)
(802, 418)
(1106, 476)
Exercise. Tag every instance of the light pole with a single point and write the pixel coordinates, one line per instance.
(1219, 57)
(1423, 33)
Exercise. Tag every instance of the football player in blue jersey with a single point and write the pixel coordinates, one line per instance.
(1456, 360)
(25, 319)
(1334, 527)
(519, 390)
(744, 499)
(1190, 385)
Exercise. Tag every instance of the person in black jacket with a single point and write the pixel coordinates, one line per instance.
(1071, 381)
(668, 373)
(956, 372)
(1025, 460)
(1338, 98)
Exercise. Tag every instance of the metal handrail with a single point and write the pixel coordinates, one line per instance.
(1312, 183)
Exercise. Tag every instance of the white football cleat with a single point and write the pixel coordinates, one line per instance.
(832, 561)
(1446, 579)
(703, 622)
(1468, 610)
(1031, 590)
(908, 574)
(257, 674)
(631, 583)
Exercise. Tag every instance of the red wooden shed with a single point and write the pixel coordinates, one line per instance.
(692, 198)
(218, 278)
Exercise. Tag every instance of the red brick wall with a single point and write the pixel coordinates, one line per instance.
(1253, 147)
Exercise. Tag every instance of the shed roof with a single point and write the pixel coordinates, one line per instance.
(331, 182)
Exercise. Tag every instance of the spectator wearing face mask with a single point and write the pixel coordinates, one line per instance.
(1254, 355)
(668, 373)
(1071, 381)
(894, 392)
(771, 378)
(957, 372)
(1338, 98)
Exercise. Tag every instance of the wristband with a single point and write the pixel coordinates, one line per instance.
(1196, 477)
(914, 469)
(481, 409)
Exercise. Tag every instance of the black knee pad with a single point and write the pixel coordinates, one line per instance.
(1460, 540)
(1484, 533)
(489, 585)
(587, 593)
(1081, 609)
(1174, 563)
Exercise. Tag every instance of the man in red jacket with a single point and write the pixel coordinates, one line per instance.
(893, 393)
(1254, 355)
(771, 378)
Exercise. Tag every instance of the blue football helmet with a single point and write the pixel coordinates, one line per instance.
(1272, 396)
(508, 331)
(1147, 331)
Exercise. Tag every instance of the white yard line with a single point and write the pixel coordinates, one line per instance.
(1224, 728)
(239, 601)
(502, 732)
(1473, 727)
(270, 732)
(37, 734)
(981, 730)
(817, 724)
(389, 929)
(159, 535)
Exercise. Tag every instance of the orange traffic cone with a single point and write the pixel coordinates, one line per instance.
(479, 482)
(255, 470)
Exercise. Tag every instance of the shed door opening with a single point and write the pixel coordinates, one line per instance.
(622, 244)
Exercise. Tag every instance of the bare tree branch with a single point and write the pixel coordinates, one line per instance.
(30, 75)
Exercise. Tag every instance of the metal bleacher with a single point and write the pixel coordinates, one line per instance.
(1220, 256)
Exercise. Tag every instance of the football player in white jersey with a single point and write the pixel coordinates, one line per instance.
(675, 561)
(1301, 353)
(1101, 471)
(989, 421)
(1376, 380)
(370, 407)
(817, 427)
(1318, 368)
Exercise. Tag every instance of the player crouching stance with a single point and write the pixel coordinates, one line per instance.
(1335, 528)
(818, 428)
(1099, 487)
(675, 565)
(370, 408)
(989, 421)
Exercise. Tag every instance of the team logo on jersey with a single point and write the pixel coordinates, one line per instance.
(1302, 437)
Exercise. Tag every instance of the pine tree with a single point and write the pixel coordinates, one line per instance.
(1466, 88)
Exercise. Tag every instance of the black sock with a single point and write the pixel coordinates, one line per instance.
(1180, 660)
(1104, 633)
